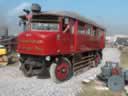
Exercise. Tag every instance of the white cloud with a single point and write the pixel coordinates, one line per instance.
(19, 9)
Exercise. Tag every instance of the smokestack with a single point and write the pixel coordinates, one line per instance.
(35, 8)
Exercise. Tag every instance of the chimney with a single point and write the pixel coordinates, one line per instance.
(35, 8)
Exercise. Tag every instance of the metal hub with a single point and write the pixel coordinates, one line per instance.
(62, 71)
(27, 67)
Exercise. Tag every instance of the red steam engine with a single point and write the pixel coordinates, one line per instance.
(59, 42)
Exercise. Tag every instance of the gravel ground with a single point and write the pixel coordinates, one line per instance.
(13, 82)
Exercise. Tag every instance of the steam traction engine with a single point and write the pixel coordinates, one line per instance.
(60, 42)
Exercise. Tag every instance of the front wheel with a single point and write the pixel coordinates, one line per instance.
(27, 68)
(61, 71)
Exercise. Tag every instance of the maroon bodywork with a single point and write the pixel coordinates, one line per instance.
(53, 43)
(61, 47)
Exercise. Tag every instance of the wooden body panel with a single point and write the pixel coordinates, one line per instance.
(45, 43)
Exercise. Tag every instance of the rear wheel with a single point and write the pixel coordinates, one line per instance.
(61, 71)
(97, 59)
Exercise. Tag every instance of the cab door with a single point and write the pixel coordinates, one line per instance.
(67, 37)
(81, 39)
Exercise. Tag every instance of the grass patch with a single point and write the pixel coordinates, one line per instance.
(124, 58)
(89, 90)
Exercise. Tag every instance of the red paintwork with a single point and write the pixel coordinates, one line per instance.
(56, 43)
(47, 43)
(60, 74)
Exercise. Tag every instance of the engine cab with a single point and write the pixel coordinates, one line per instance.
(55, 41)
(47, 34)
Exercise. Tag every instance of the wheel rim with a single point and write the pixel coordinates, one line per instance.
(27, 69)
(62, 71)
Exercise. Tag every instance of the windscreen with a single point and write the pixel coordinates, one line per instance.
(45, 22)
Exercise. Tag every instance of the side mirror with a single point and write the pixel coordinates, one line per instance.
(22, 22)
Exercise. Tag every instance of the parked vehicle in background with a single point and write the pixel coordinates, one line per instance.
(121, 42)
(60, 42)
(7, 47)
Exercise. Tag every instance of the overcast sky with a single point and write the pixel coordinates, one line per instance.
(113, 14)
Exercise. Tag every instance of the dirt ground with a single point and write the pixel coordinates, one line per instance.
(13, 82)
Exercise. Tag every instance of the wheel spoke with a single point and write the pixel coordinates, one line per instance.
(61, 71)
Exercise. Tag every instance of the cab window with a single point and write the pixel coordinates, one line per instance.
(94, 31)
(68, 25)
(45, 23)
(45, 26)
(81, 28)
(88, 29)
(99, 32)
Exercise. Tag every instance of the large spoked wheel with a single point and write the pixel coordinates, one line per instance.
(61, 71)
(27, 70)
